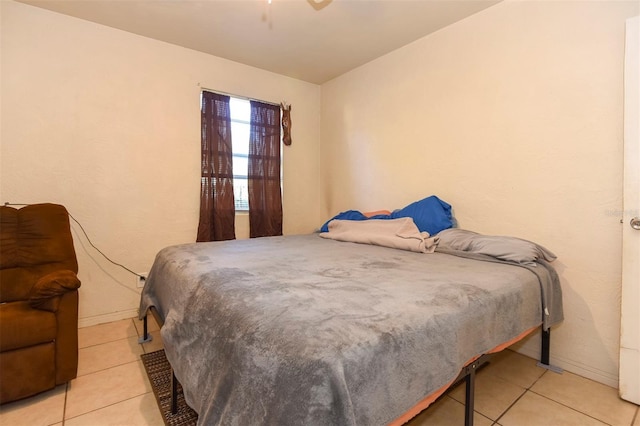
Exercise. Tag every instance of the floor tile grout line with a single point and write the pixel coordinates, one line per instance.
(511, 405)
(526, 389)
(106, 343)
(569, 407)
(464, 406)
(64, 406)
(558, 402)
(111, 366)
(635, 416)
(136, 334)
(482, 415)
(106, 406)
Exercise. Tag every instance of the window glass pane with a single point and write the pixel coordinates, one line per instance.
(240, 166)
(241, 193)
(240, 109)
(240, 118)
(240, 138)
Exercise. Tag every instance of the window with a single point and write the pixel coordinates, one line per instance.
(240, 125)
(240, 110)
(239, 137)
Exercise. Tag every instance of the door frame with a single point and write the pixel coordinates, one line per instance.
(629, 374)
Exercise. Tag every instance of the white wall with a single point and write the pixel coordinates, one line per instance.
(514, 116)
(107, 123)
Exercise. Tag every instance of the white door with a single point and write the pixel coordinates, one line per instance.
(630, 326)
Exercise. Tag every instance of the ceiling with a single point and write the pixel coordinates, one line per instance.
(311, 40)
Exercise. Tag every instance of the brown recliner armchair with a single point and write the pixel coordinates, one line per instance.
(38, 300)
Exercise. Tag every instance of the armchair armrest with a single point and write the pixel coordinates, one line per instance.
(45, 294)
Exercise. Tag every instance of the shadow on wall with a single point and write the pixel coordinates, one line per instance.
(577, 316)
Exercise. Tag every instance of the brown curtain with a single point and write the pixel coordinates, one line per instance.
(265, 198)
(217, 208)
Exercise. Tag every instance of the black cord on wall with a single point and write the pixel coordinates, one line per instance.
(142, 277)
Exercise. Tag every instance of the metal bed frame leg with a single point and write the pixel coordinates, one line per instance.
(470, 384)
(469, 374)
(544, 352)
(146, 337)
(546, 346)
(174, 393)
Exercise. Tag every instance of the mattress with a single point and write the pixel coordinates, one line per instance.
(304, 330)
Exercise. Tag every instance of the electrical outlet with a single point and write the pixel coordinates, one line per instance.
(141, 278)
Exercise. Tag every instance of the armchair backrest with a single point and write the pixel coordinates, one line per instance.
(34, 241)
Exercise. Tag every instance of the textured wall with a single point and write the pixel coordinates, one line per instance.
(514, 116)
(108, 124)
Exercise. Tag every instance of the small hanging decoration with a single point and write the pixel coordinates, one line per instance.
(319, 4)
(286, 123)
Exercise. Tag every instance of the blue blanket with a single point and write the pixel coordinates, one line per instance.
(430, 215)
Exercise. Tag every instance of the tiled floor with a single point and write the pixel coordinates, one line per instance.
(112, 389)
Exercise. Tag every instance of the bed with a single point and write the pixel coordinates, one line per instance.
(306, 330)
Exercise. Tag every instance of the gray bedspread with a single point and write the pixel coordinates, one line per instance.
(301, 330)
